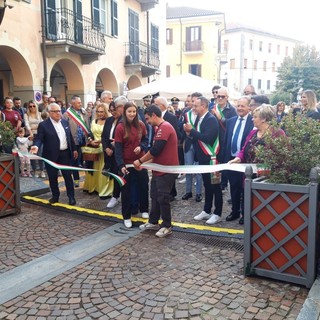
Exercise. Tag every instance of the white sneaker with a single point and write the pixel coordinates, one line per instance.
(183, 180)
(36, 175)
(112, 203)
(164, 232)
(145, 215)
(202, 215)
(42, 174)
(213, 219)
(149, 226)
(127, 223)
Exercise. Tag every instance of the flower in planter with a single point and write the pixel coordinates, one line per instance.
(291, 158)
(7, 136)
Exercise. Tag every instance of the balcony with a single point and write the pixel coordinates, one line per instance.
(194, 46)
(147, 4)
(141, 57)
(67, 32)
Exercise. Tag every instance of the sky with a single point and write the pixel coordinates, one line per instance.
(292, 19)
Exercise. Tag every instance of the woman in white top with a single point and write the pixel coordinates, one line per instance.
(32, 118)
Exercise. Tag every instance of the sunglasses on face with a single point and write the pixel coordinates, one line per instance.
(32, 106)
(221, 97)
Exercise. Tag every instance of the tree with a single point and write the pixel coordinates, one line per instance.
(300, 70)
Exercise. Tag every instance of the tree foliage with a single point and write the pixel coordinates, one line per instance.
(300, 70)
(290, 158)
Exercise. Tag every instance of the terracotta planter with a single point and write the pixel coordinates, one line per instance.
(280, 223)
(9, 185)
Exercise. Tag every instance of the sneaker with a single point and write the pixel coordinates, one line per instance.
(149, 226)
(112, 203)
(202, 215)
(127, 223)
(42, 174)
(163, 232)
(213, 219)
(36, 175)
(183, 180)
(29, 175)
(145, 215)
(24, 175)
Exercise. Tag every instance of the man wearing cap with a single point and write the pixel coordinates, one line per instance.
(175, 104)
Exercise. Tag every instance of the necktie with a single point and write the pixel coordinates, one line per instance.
(234, 145)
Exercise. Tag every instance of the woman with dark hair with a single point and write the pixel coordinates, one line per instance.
(131, 143)
(280, 111)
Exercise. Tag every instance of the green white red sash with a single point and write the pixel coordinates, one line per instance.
(78, 120)
(188, 117)
(210, 150)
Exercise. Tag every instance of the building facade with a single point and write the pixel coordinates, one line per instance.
(193, 42)
(252, 57)
(67, 47)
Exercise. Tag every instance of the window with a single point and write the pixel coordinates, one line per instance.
(168, 71)
(195, 69)
(268, 84)
(99, 15)
(251, 45)
(269, 47)
(232, 63)
(154, 38)
(278, 49)
(249, 81)
(225, 46)
(255, 64)
(245, 63)
(259, 83)
(134, 36)
(287, 51)
(273, 67)
(264, 65)
(260, 46)
(169, 36)
(114, 18)
(193, 39)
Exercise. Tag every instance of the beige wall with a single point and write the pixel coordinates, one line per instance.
(21, 61)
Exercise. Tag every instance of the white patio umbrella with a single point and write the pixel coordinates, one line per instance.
(176, 86)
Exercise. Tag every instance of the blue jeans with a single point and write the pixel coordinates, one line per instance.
(189, 160)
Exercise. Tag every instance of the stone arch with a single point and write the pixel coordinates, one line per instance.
(66, 79)
(106, 80)
(15, 72)
(133, 82)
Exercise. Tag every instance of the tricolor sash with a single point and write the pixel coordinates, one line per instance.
(188, 117)
(78, 120)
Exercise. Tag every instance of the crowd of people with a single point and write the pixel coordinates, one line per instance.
(117, 136)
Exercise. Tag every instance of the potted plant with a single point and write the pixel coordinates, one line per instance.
(281, 209)
(9, 172)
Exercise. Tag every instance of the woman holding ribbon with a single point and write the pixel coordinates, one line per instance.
(131, 143)
(95, 181)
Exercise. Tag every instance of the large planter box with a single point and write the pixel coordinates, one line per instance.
(9, 185)
(280, 223)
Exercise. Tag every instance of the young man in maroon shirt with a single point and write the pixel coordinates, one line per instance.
(164, 151)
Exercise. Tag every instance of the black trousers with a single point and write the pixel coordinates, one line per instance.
(142, 180)
(64, 158)
(236, 180)
(160, 196)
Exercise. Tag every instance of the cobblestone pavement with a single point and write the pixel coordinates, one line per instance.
(142, 278)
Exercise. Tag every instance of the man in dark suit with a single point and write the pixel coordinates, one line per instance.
(162, 103)
(206, 141)
(58, 146)
(237, 130)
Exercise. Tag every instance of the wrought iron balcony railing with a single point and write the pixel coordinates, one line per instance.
(140, 53)
(64, 25)
(195, 45)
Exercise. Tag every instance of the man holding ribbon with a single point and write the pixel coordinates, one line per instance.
(58, 146)
(205, 136)
(79, 123)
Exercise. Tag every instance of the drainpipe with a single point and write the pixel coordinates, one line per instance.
(148, 42)
(181, 46)
(44, 49)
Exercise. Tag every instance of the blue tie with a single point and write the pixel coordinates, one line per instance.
(234, 145)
